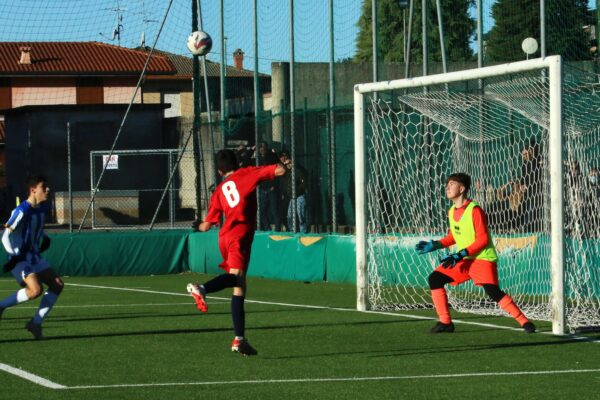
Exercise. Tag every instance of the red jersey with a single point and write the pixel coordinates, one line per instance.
(235, 197)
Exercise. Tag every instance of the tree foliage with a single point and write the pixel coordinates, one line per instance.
(458, 29)
(516, 20)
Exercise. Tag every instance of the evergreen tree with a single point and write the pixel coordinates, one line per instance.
(516, 20)
(564, 32)
(458, 29)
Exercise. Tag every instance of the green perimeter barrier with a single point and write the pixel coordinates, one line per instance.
(309, 257)
(117, 253)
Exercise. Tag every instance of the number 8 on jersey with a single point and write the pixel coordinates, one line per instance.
(231, 193)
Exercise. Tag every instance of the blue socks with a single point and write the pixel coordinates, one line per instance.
(45, 306)
(20, 296)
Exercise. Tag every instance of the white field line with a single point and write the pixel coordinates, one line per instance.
(31, 377)
(52, 385)
(349, 379)
(409, 316)
(121, 305)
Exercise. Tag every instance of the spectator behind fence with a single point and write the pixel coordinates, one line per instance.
(487, 197)
(575, 196)
(244, 155)
(593, 202)
(286, 190)
(531, 184)
(511, 196)
(268, 193)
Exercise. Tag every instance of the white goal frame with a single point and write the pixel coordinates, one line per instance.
(553, 67)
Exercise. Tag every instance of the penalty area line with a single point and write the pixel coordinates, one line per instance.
(342, 379)
(38, 380)
(409, 316)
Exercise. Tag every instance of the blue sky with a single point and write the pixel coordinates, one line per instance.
(81, 20)
(96, 20)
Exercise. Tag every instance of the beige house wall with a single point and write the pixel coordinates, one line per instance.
(29, 96)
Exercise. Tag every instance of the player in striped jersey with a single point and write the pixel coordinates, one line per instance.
(24, 240)
(475, 259)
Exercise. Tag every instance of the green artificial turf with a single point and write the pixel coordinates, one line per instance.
(150, 342)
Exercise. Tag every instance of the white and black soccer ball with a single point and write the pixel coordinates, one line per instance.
(199, 43)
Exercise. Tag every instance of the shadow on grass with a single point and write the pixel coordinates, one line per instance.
(442, 350)
(194, 331)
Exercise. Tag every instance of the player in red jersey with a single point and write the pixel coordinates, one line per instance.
(475, 259)
(235, 198)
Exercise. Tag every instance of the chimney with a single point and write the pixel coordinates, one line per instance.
(238, 59)
(25, 55)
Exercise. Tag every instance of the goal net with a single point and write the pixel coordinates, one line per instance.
(527, 134)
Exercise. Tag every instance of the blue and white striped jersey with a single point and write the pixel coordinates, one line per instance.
(25, 229)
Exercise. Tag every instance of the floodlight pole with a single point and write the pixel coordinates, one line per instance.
(222, 88)
(543, 28)
(408, 40)
(374, 40)
(332, 146)
(209, 113)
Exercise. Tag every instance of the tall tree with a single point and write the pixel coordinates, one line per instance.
(516, 20)
(564, 32)
(391, 18)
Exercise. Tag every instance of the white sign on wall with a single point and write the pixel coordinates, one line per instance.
(112, 162)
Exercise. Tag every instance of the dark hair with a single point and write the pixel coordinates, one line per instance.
(226, 161)
(33, 180)
(284, 153)
(461, 178)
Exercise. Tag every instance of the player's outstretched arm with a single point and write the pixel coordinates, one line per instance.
(204, 226)
(424, 247)
(199, 226)
(280, 170)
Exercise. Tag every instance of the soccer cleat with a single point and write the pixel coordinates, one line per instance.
(528, 327)
(198, 294)
(243, 347)
(35, 329)
(440, 327)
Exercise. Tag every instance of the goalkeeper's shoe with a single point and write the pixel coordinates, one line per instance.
(35, 329)
(199, 295)
(243, 347)
(528, 327)
(440, 327)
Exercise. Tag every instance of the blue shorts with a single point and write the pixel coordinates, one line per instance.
(33, 264)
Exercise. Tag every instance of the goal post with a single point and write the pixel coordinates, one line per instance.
(461, 124)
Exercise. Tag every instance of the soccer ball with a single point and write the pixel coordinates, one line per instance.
(199, 43)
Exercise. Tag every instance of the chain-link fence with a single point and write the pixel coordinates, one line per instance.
(279, 72)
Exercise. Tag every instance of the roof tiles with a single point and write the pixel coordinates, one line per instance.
(79, 58)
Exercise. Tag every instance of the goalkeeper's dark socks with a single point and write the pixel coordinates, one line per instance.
(220, 282)
(238, 315)
(508, 305)
(440, 302)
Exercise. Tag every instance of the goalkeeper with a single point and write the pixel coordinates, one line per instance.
(475, 258)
